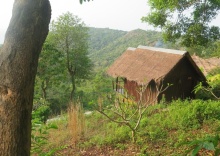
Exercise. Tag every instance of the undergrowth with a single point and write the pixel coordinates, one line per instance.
(165, 129)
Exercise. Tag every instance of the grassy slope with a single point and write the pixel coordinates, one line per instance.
(162, 131)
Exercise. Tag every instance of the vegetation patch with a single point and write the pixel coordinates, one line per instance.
(166, 129)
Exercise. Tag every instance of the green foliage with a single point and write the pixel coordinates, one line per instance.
(48, 71)
(212, 49)
(213, 90)
(63, 63)
(185, 20)
(70, 36)
(115, 45)
(192, 114)
(180, 115)
(121, 134)
(90, 90)
(101, 37)
(215, 49)
(167, 129)
(41, 113)
(104, 46)
(215, 71)
(50, 78)
(125, 111)
(156, 133)
(39, 138)
(113, 135)
(208, 143)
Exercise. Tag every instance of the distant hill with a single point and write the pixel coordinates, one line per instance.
(107, 44)
(101, 37)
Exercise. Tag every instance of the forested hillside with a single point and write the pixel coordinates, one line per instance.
(101, 37)
(107, 44)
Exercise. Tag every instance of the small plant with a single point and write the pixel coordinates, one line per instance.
(41, 110)
(39, 138)
(128, 112)
(209, 143)
(212, 91)
(157, 133)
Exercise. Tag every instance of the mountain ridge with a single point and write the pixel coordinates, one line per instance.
(112, 43)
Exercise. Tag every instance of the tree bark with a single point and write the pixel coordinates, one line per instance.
(24, 38)
(44, 85)
(73, 86)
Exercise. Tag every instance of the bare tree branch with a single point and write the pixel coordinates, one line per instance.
(131, 115)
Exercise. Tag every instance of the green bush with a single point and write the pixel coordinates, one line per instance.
(182, 114)
(144, 122)
(112, 135)
(116, 133)
(39, 139)
(41, 113)
(165, 125)
(156, 132)
(213, 90)
(209, 143)
(192, 114)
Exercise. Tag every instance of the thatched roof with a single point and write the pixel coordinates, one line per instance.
(206, 64)
(142, 64)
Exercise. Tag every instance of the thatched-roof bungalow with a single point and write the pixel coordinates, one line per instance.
(156, 68)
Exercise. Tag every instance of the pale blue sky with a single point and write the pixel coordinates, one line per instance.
(115, 14)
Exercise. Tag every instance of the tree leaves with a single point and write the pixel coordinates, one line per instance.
(71, 38)
(187, 21)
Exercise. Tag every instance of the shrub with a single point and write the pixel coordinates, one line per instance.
(192, 114)
(156, 132)
(41, 113)
(39, 138)
(209, 143)
(213, 90)
(182, 114)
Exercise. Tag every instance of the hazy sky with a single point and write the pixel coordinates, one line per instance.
(115, 14)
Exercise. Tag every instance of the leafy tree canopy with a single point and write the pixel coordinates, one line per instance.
(187, 20)
(70, 36)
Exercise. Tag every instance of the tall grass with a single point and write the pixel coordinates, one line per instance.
(76, 122)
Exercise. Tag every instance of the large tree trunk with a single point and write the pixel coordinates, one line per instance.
(26, 33)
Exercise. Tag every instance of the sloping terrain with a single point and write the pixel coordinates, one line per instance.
(106, 45)
(110, 46)
(101, 37)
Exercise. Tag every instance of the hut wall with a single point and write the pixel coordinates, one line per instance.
(131, 88)
(149, 93)
(183, 78)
